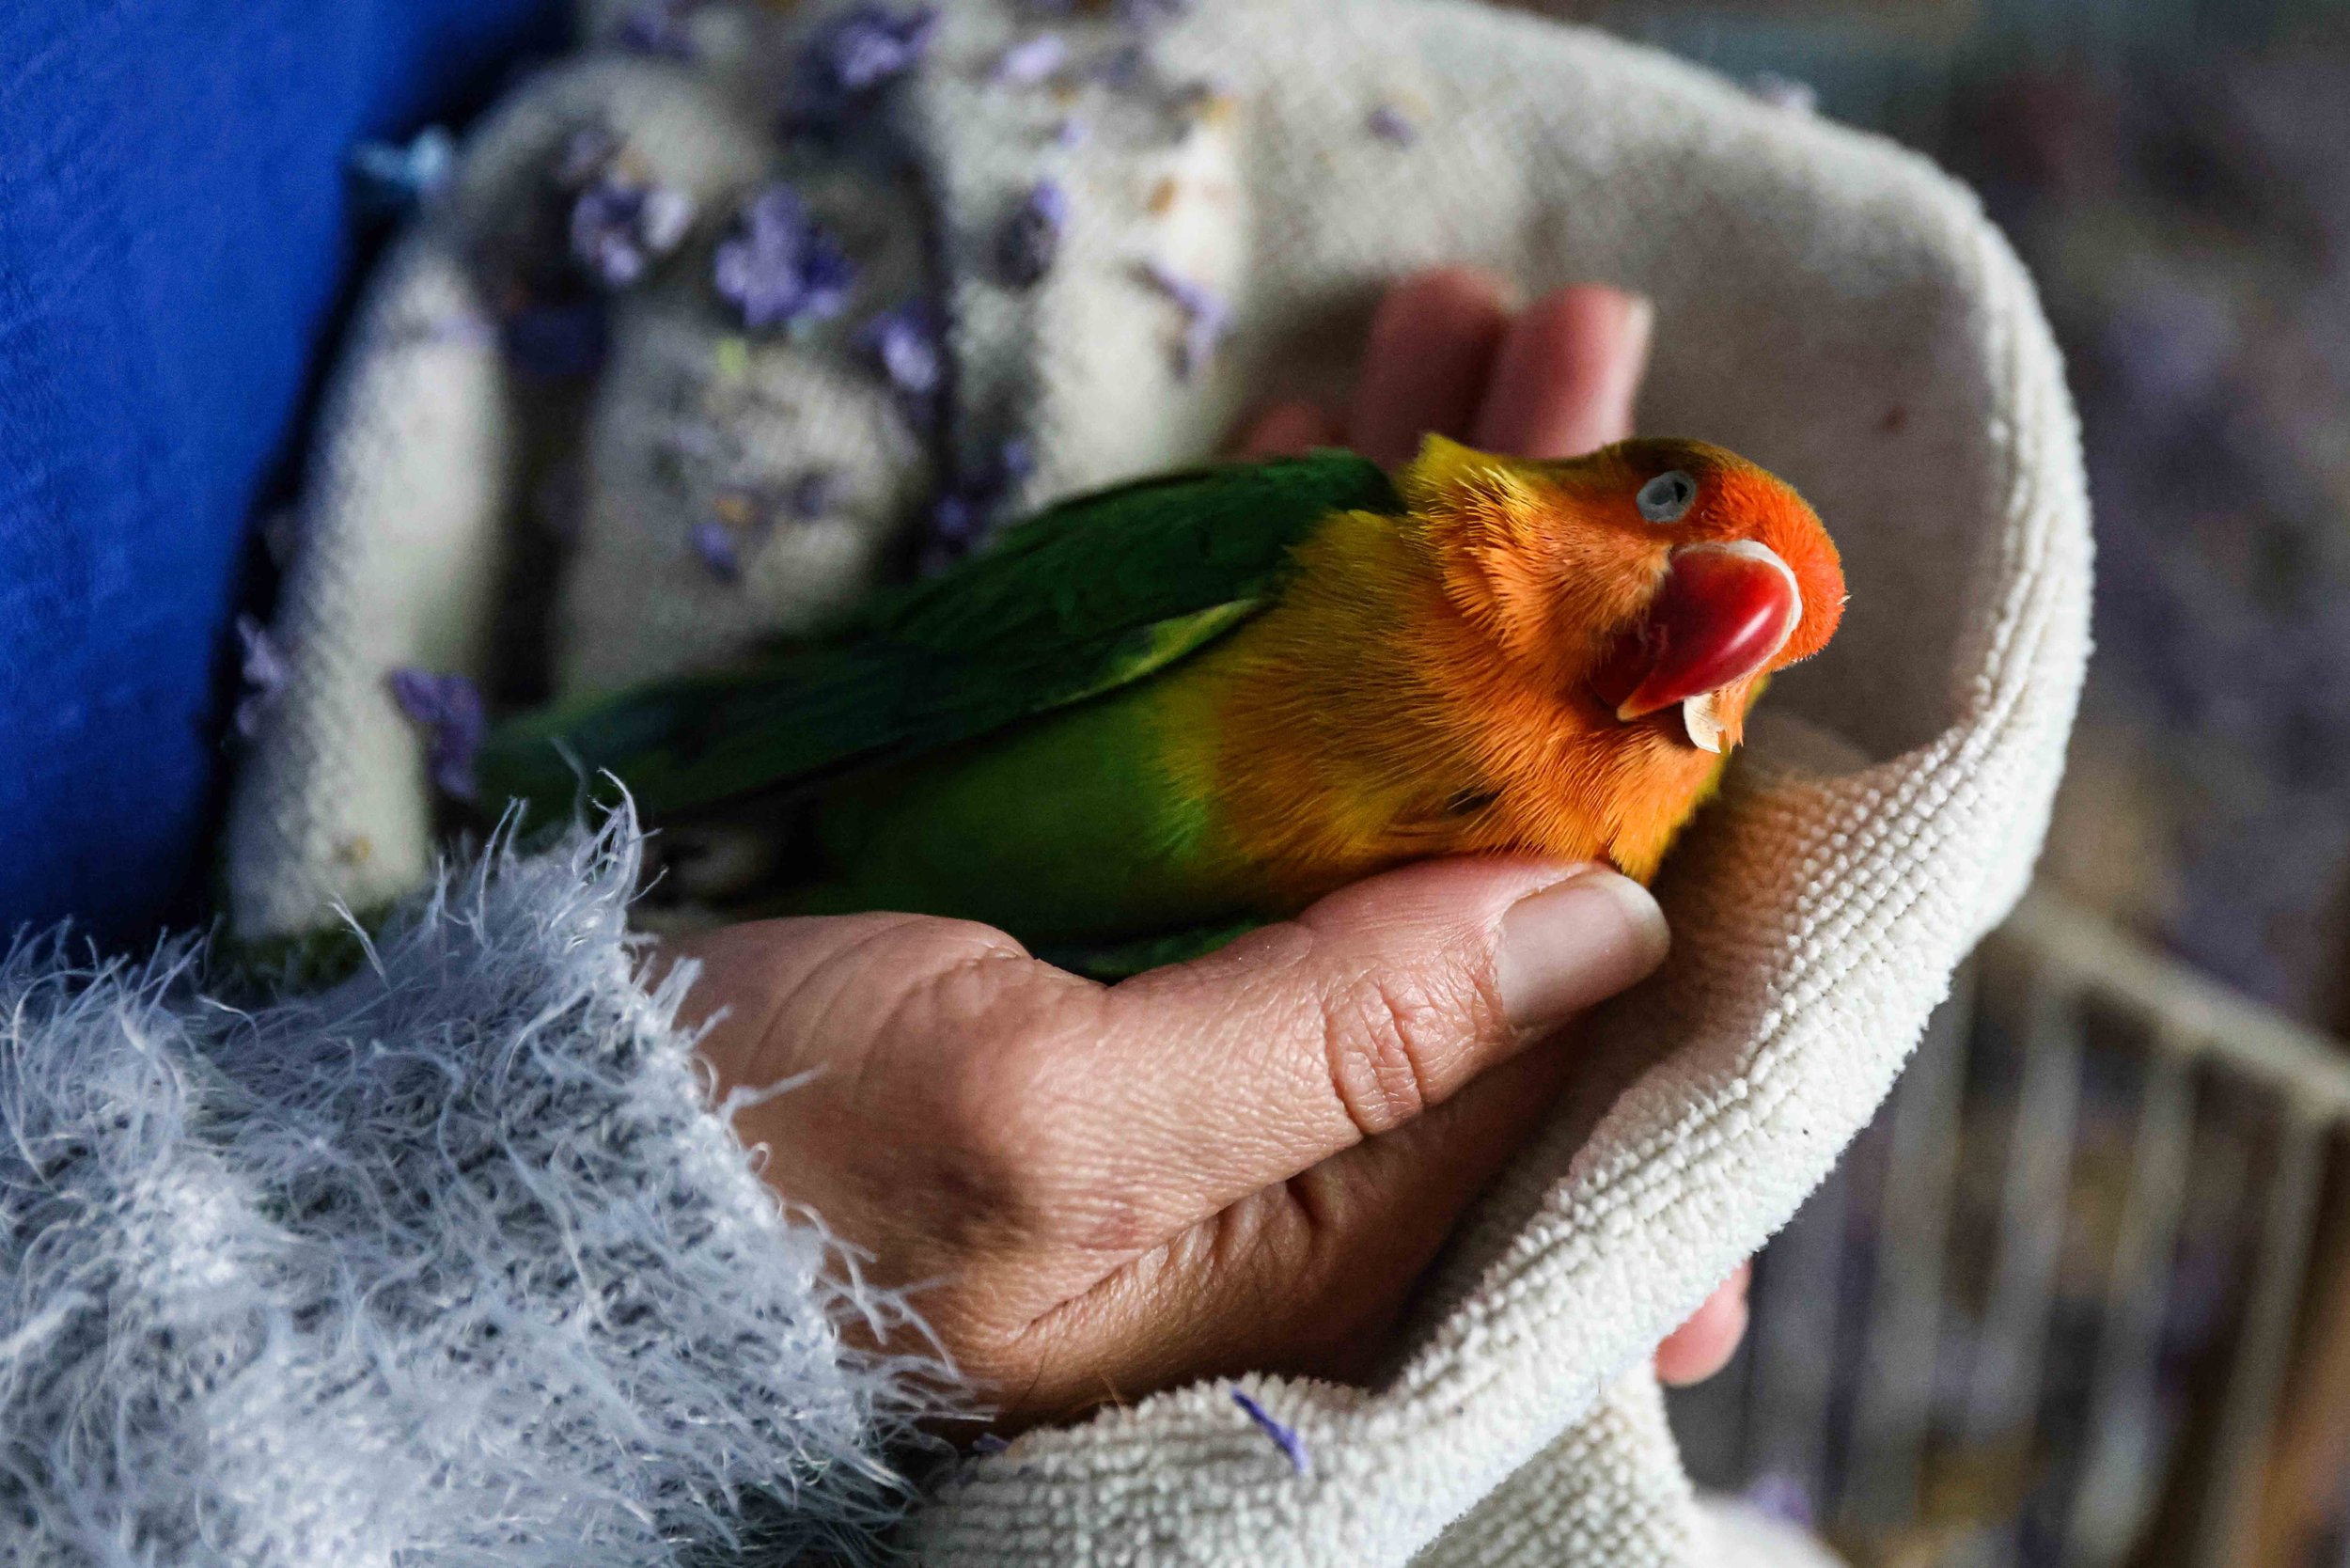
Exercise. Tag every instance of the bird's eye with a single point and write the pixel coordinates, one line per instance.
(1666, 497)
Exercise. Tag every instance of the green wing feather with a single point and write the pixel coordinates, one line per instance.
(1087, 597)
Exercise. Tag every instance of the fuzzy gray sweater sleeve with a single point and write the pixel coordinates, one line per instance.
(452, 1264)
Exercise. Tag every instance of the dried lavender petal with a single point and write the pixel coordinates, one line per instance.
(391, 175)
(716, 545)
(856, 54)
(619, 229)
(1029, 242)
(961, 517)
(1070, 132)
(264, 670)
(1031, 61)
(987, 1443)
(448, 709)
(903, 342)
(1292, 1446)
(1388, 124)
(780, 266)
(1207, 316)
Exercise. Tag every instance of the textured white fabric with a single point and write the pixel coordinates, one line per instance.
(1827, 303)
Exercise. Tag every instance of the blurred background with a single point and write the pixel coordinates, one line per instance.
(2082, 1296)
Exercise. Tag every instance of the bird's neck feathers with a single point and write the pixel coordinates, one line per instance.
(1525, 556)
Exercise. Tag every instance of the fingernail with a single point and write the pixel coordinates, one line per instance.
(1572, 945)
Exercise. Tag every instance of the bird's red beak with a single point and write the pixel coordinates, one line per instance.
(1724, 612)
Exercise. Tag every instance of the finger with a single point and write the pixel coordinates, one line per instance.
(1432, 343)
(1565, 378)
(1306, 1276)
(1290, 429)
(1703, 1345)
(1221, 1076)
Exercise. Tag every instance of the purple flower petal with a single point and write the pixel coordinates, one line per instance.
(448, 709)
(619, 229)
(987, 1442)
(781, 267)
(963, 516)
(1207, 315)
(391, 175)
(264, 670)
(1029, 242)
(904, 343)
(1031, 60)
(1388, 124)
(1070, 132)
(715, 543)
(849, 60)
(1284, 1439)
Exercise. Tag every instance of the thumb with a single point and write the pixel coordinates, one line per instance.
(1335, 1091)
(1378, 1003)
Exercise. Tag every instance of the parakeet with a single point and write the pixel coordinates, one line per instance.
(1214, 696)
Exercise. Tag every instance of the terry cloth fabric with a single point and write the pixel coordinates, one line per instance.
(175, 236)
(1827, 303)
(452, 1264)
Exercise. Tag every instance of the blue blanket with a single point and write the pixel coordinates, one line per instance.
(175, 240)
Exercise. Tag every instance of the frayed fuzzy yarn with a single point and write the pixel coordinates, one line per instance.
(450, 1264)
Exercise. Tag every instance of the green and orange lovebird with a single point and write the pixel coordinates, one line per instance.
(1209, 698)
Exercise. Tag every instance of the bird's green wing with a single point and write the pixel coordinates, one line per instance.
(1088, 596)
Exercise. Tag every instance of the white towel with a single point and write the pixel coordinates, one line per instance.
(1827, 303)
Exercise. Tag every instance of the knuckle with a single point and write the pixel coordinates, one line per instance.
(1379, 1033)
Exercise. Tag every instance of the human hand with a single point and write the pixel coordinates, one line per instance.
(1245, 1162)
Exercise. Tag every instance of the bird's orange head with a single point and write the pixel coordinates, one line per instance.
(1658, 582)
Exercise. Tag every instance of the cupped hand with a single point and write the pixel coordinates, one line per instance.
(1244, 1163)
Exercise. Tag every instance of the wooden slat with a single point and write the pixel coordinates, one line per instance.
(1893, 1416)
(2116, 1479)
(1794, 1350)
(2003, 1389)
(2263, 1348)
